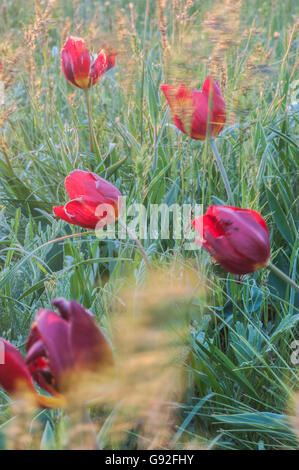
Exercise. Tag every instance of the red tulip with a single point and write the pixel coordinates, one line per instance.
(94, 202)
(191, 108)
(66, 344)
(238, 239)
(77, 66)
(15, 378)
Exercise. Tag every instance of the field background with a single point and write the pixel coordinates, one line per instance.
(236, 354)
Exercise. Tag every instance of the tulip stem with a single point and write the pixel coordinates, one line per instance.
(223, 173)
(138, 244)
(90, 128)
(283, 276)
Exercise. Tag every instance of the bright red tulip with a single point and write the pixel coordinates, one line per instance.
(77, 66)
(238, 239)
(65, 344)
(191, 108)
(94, 202)
(16, 379)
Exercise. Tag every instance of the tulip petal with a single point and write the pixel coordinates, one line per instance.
(225, 254)
(208, 223)
(76, 63)
(67, 67)
(243, 232)
(59, 211)
(85, 183)
(104, 62)
(89, 346)
(180, 101)
(87, 213)
(14, 373)
(55, 334)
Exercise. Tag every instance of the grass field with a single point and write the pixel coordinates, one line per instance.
(228, 337)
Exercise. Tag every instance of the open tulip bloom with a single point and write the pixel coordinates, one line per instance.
(237, 239)
(193, 111)
(77, 66)
(94, 201)
(61, 348)
(79, 70)
(200, 115)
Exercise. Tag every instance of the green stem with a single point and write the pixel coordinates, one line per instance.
(132, 235)
(222, 172)
(90, 128)
(283, 276)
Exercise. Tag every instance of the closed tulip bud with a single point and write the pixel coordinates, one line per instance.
(94, 201)
(198, 114)
(77, 66)
(238, 239)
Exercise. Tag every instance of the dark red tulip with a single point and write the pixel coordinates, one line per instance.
(94, 201)
(191, 108)
(238, 239)
(61, 346)
(77, 66)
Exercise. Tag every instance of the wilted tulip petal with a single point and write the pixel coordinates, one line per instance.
(77, 66)
(94, 201)
(238, 239)
(191, 108)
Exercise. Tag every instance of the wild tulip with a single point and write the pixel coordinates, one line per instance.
(15, 378)
(192, 110)
(79, 70)
(77, 66)
(63, 346)
(238, 239)
(94, 201)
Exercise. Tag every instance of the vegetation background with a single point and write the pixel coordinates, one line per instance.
(236, 351)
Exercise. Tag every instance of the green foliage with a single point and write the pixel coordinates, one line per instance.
(241, 375)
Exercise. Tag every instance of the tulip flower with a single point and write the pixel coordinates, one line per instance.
(238, 239)
(76, 63)
(200, 114)
(63, 346)
(15, 378)
(94, 202)
(191, 108)
(82, 73)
